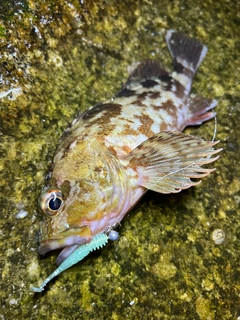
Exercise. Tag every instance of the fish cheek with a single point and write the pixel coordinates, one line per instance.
(83, 204)
(44, 229)
(65, 188)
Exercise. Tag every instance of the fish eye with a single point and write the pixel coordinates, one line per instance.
(51, 201)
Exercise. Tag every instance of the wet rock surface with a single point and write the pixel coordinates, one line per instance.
(58, 58)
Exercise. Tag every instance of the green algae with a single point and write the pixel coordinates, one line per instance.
(67, 56)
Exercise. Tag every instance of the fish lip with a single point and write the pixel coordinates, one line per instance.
(59, 243)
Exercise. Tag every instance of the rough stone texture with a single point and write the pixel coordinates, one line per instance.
(66, 56)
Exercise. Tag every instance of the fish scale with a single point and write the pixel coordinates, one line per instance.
(115, 151)
(128, 115)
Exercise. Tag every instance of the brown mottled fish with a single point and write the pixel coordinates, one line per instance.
(115, 151)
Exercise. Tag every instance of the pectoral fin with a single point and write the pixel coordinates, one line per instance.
(167, 161)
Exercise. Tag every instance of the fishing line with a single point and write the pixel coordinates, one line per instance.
(215, 128)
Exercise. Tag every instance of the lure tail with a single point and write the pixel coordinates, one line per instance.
(79, 254)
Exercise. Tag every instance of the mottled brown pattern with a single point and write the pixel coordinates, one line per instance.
(102, 123)
(66, 141)
(139, 103)
(65, 187)
(92, 112)
(127, 129)
(143, 95)
(163, 126)
(146, 95)
(179, 90)
(154, 95)
(111, 149)
(107, 111)
(126, 149)
(125, 92)
(146, 123)
(170, 107)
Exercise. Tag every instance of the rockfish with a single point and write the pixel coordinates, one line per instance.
(115, 151)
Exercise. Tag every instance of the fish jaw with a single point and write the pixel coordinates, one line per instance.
(93, 203)
(67, 238)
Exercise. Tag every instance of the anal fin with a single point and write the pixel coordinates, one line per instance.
(167, 161)
(198, 108)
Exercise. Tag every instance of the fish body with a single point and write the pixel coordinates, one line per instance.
(115, 151)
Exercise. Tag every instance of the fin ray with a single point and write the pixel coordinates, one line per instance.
(167, 161)
(186, 52)
(198, 107)
(146, 70)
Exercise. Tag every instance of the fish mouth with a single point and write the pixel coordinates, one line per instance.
(74, 236)
(68, 244)
(59, 243)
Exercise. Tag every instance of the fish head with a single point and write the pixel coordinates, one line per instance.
(86, 193)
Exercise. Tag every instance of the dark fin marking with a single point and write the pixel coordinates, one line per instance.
(165, 78)
(198, 109)
(110, 107)
(146, 70)
(167, 161)
(125, 93)
(187, 53)
(91, 112)
(149, 83)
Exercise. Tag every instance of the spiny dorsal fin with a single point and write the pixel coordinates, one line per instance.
(167, 161)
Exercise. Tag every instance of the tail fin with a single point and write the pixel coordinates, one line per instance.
(187, 54)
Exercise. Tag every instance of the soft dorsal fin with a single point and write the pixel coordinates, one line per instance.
(167, 161)
(146, 70)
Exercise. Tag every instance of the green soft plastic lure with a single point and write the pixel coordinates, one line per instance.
(80, 253)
